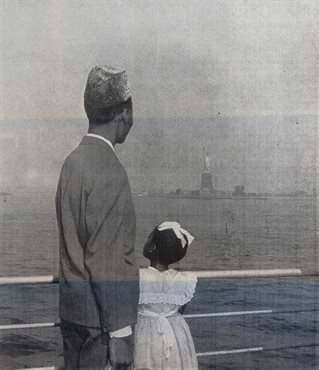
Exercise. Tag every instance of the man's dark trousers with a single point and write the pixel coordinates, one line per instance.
(84, 347)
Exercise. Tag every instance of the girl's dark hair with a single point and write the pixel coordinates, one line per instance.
(169, 248)
(104, 115)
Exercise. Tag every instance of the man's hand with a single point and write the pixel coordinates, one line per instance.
(121, 352)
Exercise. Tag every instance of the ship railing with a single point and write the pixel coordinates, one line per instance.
(203, 274)
(229, 274)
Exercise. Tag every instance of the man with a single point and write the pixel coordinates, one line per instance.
(96, 219)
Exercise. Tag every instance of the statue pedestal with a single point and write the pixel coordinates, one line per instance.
(206, 183)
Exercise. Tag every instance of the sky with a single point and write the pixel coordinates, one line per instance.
(184, 58)
(239, 77)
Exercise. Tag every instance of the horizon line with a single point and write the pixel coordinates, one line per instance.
(83, 118)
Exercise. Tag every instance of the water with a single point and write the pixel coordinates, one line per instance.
(270, 233)
(297, 329)
(229, 233)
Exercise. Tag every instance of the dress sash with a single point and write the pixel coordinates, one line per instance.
(164, 327)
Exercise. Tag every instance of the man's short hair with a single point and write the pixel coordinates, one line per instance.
(104, 115)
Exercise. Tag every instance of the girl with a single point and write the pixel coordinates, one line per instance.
(162, 336)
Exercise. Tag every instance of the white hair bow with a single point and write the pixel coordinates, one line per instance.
(176, 227)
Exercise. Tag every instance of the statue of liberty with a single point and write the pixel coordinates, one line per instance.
(206, 161)
(206, 183)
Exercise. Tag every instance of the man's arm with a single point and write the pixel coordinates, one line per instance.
(113, 280)
(182, 309)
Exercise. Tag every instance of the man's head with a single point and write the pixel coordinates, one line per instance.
(107, 101)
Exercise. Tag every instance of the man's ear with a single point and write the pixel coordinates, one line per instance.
(127, 115)
(125, 111)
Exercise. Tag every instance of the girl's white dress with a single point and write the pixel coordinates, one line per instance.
(162, 336)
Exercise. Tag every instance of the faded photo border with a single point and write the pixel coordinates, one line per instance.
(224, 141)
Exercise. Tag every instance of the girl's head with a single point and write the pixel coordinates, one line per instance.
(167, 243)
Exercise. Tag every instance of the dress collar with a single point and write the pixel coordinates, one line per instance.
(153, 268)
(169, 272)
(101, 138)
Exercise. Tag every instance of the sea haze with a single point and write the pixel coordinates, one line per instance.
(265, 154)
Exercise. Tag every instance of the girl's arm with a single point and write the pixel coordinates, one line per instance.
(182, 309)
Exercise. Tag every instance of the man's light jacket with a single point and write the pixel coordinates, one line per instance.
(96, 220)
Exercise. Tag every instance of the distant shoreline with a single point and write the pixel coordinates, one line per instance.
(212, 197)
